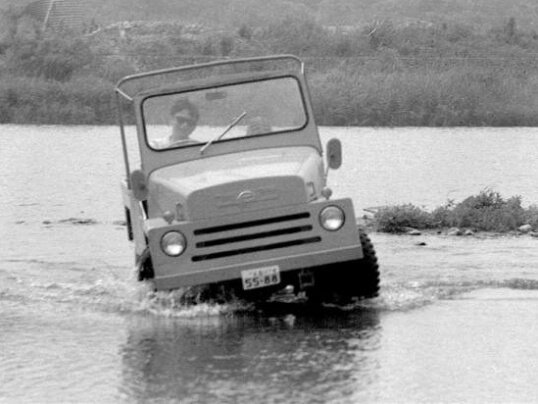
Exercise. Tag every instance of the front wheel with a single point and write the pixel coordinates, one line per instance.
(144, 266)
(340, 283)
(367, 276)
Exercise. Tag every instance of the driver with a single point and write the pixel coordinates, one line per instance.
(184, 116)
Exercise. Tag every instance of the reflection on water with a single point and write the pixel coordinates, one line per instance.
(323, 357)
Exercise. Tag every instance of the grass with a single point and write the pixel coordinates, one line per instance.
(88, 100)
(382, 74)
(462, 95)
(335, 13)
(486, 211)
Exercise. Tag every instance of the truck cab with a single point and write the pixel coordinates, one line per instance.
(229, 188)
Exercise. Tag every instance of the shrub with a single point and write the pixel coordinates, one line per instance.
(245, 32)
(487, 211)
(381, 34)
(86, 100)
(397, 218)
(113, 69)
(382, 75)
(336, 98)
(226, 45)
(52, 58)
(297, 36)
(531, 216)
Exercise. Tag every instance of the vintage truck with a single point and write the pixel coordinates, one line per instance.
(228, 187)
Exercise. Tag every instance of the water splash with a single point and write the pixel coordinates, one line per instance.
(114, 289)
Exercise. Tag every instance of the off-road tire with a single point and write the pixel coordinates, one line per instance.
(340, 283)
(144, 266)
(367, 278)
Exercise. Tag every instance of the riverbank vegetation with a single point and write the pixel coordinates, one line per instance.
(486, 211)
(375, 74)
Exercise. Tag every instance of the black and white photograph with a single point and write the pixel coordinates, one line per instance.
(273, 202)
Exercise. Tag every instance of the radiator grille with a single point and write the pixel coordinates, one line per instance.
(252, 223)
(253, 236)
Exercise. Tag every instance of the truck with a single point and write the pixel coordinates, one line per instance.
(225, 186)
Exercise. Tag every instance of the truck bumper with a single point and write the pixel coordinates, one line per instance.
(290, 238)
(284, 264)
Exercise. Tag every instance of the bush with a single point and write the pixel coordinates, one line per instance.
(397, 219)
(384, 92)
(381, 35)
(52, 58)
(113, 69)
(245, 32)
(297, 36)
(82, 101)
(487, 211)
(336, 98)
(531, 216)
(382, 75)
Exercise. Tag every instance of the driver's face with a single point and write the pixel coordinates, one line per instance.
(184, 121)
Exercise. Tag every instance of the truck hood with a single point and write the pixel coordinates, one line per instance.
(238, 182)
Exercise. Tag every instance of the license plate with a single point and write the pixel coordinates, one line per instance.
(260, 277)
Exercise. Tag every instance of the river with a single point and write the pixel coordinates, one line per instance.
(456, 319)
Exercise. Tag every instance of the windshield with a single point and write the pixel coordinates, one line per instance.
(222, 113)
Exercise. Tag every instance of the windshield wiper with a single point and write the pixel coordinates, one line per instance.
(230, 126)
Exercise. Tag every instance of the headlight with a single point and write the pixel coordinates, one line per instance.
(332, 218)
(173, 243)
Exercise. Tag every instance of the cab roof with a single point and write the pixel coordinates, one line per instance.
(169, 79)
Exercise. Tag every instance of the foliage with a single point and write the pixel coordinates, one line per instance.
(397, 219)
(296, 36)
(245, 32)
(233, 13)
(51, 58)
(378, 74)
(487, 211)
(531, 216)
(37, 101)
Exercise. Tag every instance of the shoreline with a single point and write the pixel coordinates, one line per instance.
(445, 233)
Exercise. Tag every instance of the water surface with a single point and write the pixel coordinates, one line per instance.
(455, 320)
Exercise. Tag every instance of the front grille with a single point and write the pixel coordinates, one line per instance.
(270, 233)
(252, 223)
(266, 234)
(256, 249)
